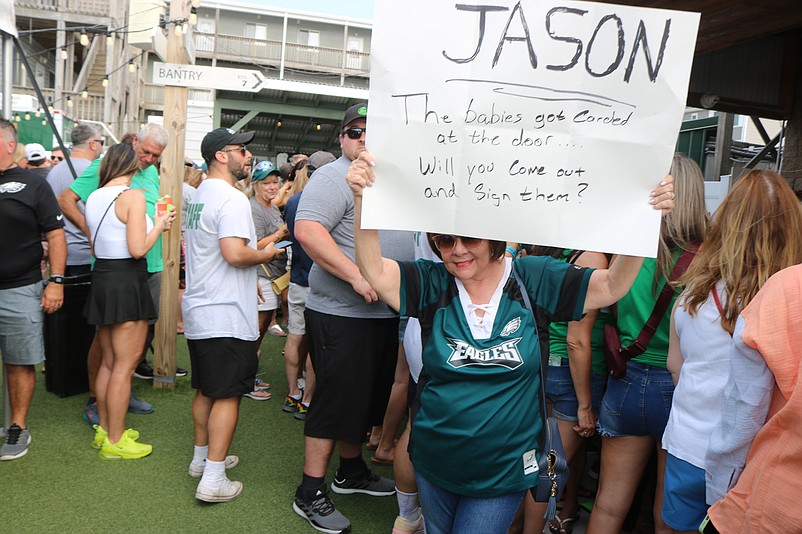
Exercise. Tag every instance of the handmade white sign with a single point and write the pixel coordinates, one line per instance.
(538, 122)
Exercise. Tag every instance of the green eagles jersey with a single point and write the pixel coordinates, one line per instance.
(147, 182)
(478, 417)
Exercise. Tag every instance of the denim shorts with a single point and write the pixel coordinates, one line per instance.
(684, 506)
(561, 395)
(637, 404)
(22, 322)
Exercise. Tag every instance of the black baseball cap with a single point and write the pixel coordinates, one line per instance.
(219, 138)
(357, 111)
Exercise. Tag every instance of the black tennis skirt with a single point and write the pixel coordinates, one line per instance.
(119, 293)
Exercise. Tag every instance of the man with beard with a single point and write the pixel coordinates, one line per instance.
(220, 315)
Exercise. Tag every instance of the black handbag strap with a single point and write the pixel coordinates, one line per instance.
(541, 439)
(106, 212)
(640, 344)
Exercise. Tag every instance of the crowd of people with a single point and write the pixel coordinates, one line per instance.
(443, 380)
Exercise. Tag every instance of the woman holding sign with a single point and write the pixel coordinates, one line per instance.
(473, 440)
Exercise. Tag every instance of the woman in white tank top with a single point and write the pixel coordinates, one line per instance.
(119, 302)
(756, 232)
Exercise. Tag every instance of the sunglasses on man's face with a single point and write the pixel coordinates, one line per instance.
(57, 158)
(242, 149)
(446, 243)
(354, 133)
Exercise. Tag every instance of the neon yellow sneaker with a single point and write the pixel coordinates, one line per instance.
(101, 434)
(125, 449)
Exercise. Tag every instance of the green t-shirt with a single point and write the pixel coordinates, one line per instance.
(636, 307)
(146, 181)
(476, 427)
(558, 333)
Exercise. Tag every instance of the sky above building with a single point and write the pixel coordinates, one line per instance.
(362, 9)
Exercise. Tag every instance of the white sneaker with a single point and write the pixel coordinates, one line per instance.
(224, 492)
(196, 468)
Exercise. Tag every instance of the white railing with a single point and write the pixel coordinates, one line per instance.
(85, 7)
(245, 49)
(90, 108)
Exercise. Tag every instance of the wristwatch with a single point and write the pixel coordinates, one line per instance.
(56, 278)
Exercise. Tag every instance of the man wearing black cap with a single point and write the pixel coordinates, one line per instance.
(219, 305)
(353, 339)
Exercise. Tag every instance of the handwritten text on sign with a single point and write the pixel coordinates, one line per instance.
(536, 122)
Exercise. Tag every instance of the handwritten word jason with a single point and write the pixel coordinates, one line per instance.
(516, 30)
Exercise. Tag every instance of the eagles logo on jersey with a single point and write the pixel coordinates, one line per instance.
(505, 354)
(12, 187)
(511, 327)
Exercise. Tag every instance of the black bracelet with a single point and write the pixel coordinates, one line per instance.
(56, 279)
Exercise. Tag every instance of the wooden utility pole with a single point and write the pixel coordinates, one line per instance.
(172, 177)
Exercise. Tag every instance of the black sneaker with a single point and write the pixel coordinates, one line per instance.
(317, 508)
(144, 371)
(368, 483)
(180, 371)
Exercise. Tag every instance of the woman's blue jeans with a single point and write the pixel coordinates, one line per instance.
(450, 513)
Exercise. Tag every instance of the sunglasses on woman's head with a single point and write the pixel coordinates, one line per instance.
(446, 242)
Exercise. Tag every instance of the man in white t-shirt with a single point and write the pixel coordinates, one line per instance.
(219, 305)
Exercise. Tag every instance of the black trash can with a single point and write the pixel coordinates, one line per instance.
(67, 340)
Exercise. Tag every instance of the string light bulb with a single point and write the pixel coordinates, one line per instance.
(178, 29)
(105, 82)
(109, 39)
(64, 53)
(44, 122)
(317, 127)
(279, 123)
(38, 112)
(84, 38)
(27, 116)
(85, 93)
(193, 15)
(69, 102)
(131, 66)
(196, 3)
(50, 106)
(17, 118)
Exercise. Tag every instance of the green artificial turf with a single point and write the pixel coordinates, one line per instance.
(62, 486)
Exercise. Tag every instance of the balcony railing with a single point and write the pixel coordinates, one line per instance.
(245, 49)
(98, 8)
(154, 96)
(90, 108)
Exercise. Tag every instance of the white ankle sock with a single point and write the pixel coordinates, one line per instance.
(214, 473)
(200, 454)
(408, 507)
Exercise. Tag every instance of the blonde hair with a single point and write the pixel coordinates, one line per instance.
(685, 226)
(301, 178)
(756, 232)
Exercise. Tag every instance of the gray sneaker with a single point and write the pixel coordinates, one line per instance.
(368, 483)
(139, 406)
(317, 508)
(16, 443)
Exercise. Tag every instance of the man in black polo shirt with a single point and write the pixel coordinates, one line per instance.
(28, 209)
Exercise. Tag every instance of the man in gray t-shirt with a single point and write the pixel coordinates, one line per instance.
(86, 149)
(353, 338)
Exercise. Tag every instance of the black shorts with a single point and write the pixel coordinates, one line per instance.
(354, 362)
(223, 367)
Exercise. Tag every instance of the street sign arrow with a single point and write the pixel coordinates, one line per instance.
(201, 77)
